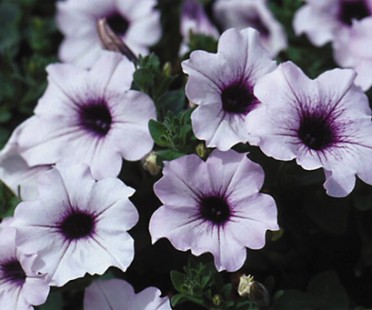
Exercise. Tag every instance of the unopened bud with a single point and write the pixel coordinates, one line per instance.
(112, 42)
(167, 69)
(150, 164)
(217, 300)
(254, 290)
(201, 150)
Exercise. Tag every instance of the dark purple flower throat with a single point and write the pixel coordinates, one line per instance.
(118, 23)
(95, 117)
(318, 130)
(77, 224)
(214, 208)
(237, 98)
(350, 10)
(12, 272)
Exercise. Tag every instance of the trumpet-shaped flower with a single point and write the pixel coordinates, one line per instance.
(194, 19)
(252, 13)
(323, 123)
(222, 86)
(15, 172)
(77, 225)
(117, 294)
(21, 284)
(136, 22)
(89, 117)
(324, 20)
(353, 50)
(214, 206)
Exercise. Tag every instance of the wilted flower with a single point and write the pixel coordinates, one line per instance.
(21, 284)
(353, 49)
(118, 294)
(77, 225)
(256, 14)
(214, 206)
(323, 123)
(89, 117)
(324, 20)
(222, 86)
(136, 22)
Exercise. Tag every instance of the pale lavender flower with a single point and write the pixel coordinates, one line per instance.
(15, 172)
(89, 117)
(353, 49)
(118, 294)
(136, 22)
(322, 123)
(256, 14)
(214, 206)
(194, 19)
(77, 225)
(222, 86)
(21, 284)
(324, 20)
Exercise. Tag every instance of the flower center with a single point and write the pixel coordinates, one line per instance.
(96, 118)
(214, 209)
(118, 23)
(238, 98)
(12, 271)
(316, 132)
(256, 23)
(77, 225)
(353, 10)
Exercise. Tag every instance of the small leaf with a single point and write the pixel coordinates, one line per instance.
(159, 133)
(178, 280)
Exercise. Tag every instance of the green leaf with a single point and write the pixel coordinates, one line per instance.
(144, 79)
(159, 133)
(173, 100)
(329, 290)
(178, 280)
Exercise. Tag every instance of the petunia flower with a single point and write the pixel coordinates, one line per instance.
(194, 19)
(353, 50)
(324, 20)
(136, 22)
(222, 86)
(214, 206)
(21, 284)
(118, 294)
(15, 172)
(89, 117)
(252, 13)
(77, 225)
(322, 123)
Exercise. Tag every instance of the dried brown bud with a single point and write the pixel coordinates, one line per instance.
(112, 42)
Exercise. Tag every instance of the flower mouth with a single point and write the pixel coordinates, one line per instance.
(351, 10)
(77, 225)
(317, 131)
(238, 98)
(13, 272)
(118, 23)
(256, 23)
(95, 117)
(215, 209)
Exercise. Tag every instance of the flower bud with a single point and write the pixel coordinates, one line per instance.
(149, 163)
(254, 290)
